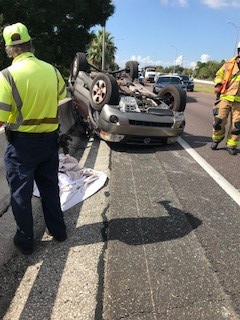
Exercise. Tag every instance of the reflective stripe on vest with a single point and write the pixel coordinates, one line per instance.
(16, 98)
(39, 121)
(19, 104)
(5, 107)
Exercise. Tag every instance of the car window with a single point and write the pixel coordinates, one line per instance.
(186, 78)
(161, 80)
(168, 80)
(175, 80)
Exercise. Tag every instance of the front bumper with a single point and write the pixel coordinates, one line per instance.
(165, 124)
(190, 86)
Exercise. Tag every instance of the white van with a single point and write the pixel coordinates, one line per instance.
(150, 73)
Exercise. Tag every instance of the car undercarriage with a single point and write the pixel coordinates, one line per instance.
(116, 107)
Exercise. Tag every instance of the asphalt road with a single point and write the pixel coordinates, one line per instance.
(159, 241)
(173, 250)
(198, 133)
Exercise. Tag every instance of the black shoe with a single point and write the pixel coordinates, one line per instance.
(60, 238)
(232, 151)
(26, 249)
(214, 145)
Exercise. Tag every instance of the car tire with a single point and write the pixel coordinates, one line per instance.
(132, 69)
(104, 90)
(174, 97)
(79, 63)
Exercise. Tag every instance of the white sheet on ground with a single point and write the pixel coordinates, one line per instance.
(75, 184)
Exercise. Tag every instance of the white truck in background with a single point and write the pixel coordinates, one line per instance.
(150, 73)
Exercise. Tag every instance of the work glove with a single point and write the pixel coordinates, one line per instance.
(63, 142)
(218, 87)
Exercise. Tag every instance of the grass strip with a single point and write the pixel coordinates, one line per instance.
(204, 87)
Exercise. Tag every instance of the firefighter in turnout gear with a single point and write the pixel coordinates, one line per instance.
(30, 90)
(227, 105)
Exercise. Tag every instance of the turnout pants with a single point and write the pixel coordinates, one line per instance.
(222, 111)
(29, 158)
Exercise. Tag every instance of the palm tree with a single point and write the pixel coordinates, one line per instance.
(95, 49)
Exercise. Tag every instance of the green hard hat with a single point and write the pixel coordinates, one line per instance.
(16, 34)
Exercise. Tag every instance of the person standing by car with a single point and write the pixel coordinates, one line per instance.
(227, 88)
(30, 90)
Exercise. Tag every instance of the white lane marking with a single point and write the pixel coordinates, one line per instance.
(2, 130)
(223, 183)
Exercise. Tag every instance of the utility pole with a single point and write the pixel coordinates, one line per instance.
(237, 28)
(103, 45)
(175, 58)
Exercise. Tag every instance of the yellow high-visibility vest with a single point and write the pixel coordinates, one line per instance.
(29, 93)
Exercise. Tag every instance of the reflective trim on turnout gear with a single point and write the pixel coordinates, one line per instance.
(227, 110)
(230, 98)
(217, 137)
(232, 143)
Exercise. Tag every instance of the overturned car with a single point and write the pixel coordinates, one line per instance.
(118, 108)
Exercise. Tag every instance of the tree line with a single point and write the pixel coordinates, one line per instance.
(203, 70)
(59, 28)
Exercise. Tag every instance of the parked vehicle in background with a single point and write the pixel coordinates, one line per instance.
(163, 81)
(116, 107)
(157, 75)
(150, 73)
(187, 81)
(141, 78)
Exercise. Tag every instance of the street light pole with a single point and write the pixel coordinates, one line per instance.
(103, 45)
(175, 58)
(237, 28)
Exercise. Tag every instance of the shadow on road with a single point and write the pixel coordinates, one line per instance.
(146, 230)
(191, 99)
(196, 141)
(143, 149)
(50, 258)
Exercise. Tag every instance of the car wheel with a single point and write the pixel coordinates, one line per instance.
(79, 63)
(104, 90)
(132, 69)
(174, 97)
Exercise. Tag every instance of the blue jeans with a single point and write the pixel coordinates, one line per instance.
(34, 158)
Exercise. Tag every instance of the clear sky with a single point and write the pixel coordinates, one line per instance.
(165, 32)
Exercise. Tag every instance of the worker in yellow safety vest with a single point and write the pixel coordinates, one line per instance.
(29, 95)
(227, 88)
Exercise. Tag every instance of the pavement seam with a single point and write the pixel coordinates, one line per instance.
(144, 247)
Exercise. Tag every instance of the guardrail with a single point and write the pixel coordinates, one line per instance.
(203, 81)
